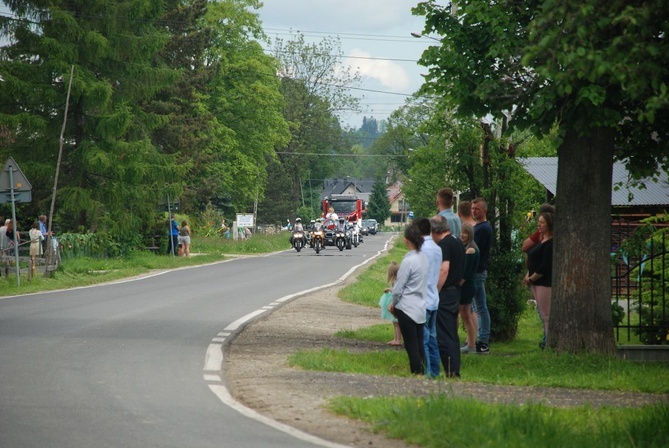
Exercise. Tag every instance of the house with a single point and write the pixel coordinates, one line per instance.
(399, 207)
(360, 187)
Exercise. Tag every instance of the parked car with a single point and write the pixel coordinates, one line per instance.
(371, 224)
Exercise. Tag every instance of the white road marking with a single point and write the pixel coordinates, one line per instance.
(214, 358)
(236, 324)
(223, 395)
(214, 355)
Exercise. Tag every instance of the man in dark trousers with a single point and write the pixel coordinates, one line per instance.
(450, 274)
(483, 239)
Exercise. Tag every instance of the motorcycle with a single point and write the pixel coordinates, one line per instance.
(340, 239)
(355, 235)
(317, 240)
(298, 240)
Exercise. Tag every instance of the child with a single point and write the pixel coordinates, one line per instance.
(386, 299)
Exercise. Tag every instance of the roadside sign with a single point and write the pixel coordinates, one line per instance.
(12, 180)
(411, 215)
(245, 220)
(19, 196)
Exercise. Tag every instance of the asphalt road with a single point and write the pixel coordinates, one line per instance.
(129, 364)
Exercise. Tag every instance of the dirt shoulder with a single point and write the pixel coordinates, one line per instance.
(257, 374)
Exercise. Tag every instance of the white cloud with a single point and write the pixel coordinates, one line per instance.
(388, 73)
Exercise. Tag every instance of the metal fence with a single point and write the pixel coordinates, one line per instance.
(640, 282)
(28, 265)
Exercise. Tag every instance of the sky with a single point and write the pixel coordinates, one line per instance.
(376, 40)
(375, 37)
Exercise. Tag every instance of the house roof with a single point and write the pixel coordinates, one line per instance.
(338, 186)
(544, 170)
(394, 191)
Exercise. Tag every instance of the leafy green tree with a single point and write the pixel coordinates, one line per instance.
(379, 206)
(598, 69)
(368, 132)
(314, 84)
(225, 112)
(246, 99)
(277, 206)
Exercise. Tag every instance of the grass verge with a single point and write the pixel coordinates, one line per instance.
(440, 421)
(88, 271)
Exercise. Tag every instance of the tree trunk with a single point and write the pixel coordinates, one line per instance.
(580, 318)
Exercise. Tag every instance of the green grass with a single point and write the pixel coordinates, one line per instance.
(440, 421)
(370, 284)
(75, 272)
(518, 363)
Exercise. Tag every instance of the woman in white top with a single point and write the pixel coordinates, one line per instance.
(408, 298)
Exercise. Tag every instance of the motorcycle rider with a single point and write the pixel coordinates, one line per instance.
(331, 214)
(297, 228)
(341, 226)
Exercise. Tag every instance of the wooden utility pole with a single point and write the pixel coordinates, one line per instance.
(49, 245)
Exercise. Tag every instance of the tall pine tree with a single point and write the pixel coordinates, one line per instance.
(111, 173)
(379, 205)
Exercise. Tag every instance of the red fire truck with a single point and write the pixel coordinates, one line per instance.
(348, 206)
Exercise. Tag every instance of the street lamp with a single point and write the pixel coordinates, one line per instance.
(418, 36)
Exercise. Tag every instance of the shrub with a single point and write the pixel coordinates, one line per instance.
(506, 297)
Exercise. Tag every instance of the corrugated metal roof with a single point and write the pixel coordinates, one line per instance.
(544, 170)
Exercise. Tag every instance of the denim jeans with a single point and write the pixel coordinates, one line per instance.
(430, 341)
(481, 307)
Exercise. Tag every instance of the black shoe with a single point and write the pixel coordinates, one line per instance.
(482, 348)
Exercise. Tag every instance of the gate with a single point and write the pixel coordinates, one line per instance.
(640, 282)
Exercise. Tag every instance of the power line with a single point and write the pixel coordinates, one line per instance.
(338, 155)
(371, 58)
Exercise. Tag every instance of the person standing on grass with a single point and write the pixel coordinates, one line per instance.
(535, 238)
(483, 239)
(184, 238)
(386, 299)
(433, 253)
(468, 286)
(445, 206)
(450, 275)
(540, 270)
(173, 241)
(530, 242)
(465, 213)
(43, 228)
(408, 298)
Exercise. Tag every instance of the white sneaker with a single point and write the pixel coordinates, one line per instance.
(465, 349)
